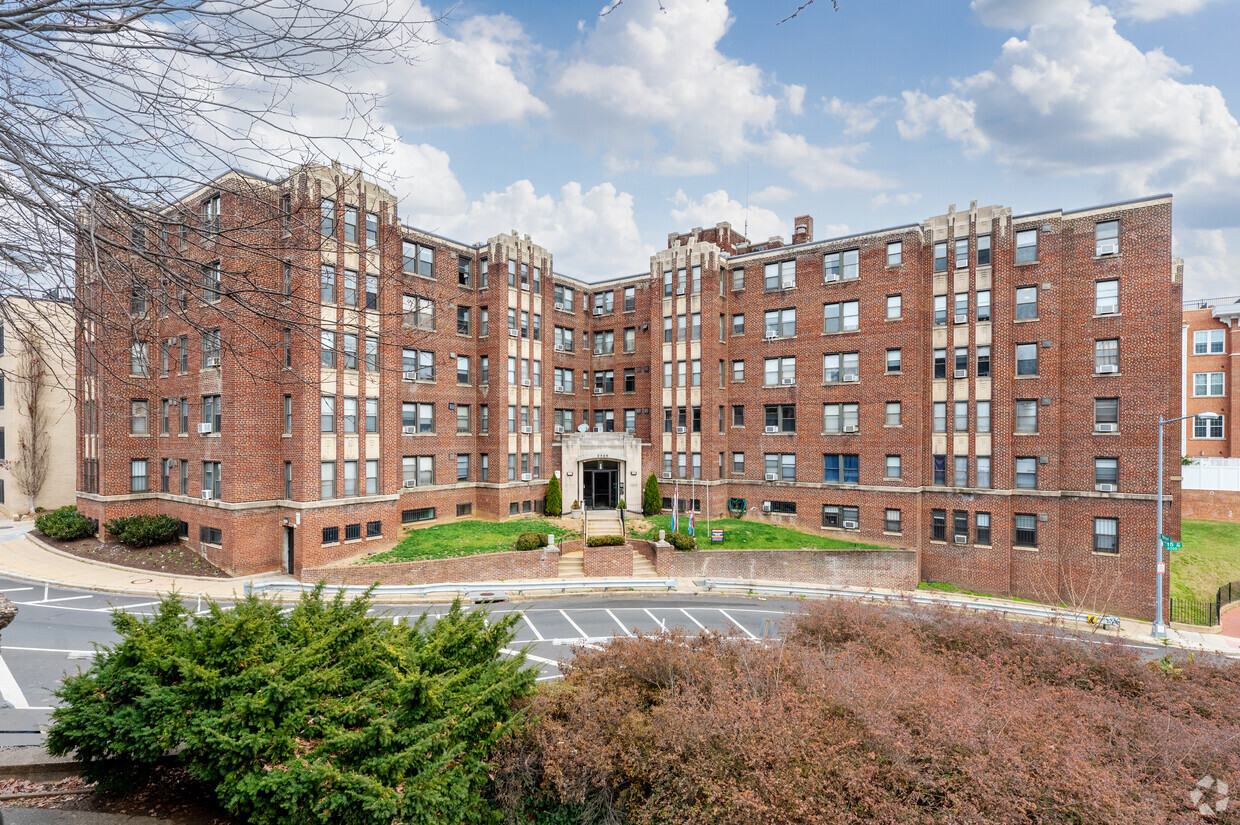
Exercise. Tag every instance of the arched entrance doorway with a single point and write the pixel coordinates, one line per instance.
(600, 484)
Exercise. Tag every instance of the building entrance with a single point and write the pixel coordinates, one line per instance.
(600, 484)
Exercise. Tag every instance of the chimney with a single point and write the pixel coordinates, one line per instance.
(804, 230)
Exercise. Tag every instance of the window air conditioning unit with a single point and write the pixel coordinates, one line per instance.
(1108, 369)
(598, 390)
(598, 428)
(213, 362)
(559, 430)
(598, 310)
(559, 388)
(525, 382)
(1106, 428)
(771, 332)
(771, 429)
(527, 430)
(962, 319)
(1105, 488)
(559, 348)
(410, 482)
(598, 350)
(832, 276)
(766, 506)
(204, 429)
(512, 333)
(680, 429)
(787, 382)
(409, 375)
(960, 538)
(787, 285)
(849, 525)
(667, 475)
(961, 373)
(410, 430)
(525, 476)
(850, 428)
(680, 290)
(1108, 248)
(850, 376)
(772, 476)
(559, 306)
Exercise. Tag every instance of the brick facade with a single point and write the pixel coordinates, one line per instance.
(1211, 347)
(883, 302)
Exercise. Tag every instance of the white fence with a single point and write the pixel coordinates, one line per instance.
(1211, 476)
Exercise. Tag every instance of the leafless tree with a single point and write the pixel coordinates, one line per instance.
(33, 439)
(113, 110)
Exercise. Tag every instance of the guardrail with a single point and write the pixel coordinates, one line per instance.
(470, 588)
(1030, 610)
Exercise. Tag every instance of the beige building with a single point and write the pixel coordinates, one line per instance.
(37, 374)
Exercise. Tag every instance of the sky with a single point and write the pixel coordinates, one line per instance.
(599, 133)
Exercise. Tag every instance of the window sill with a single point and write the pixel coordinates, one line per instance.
(899, 318)
(1098, 315)
(1035, 432)
(1026, 377)
(894, 372)
(1114, 432)
(893, 426)
(1107, 374)
(1024, 547)
(839, 432)
(840, 332)
(892, 478)
(1025, 320)
(1034, 262)
(778, 386)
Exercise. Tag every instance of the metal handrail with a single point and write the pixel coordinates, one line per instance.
(469, 587)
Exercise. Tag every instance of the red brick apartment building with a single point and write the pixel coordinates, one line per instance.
(980, 386)
(1210, 345)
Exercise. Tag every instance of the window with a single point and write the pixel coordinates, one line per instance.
(288, 480)
(782, 465)
(327, 217)
(462, 467)
(630, 298)
(961, 307)
(184, 423)
(211, 478)
(184, 466)
(961, 358)
(893, 468)
(840, 366)
(605, 381)
(630, 379)
(940, 416)
(844, 266)
(140, 417)
(1106, 535)
(840, 317)
(210, 535)
(940, 469)
(1027, 246)
(1208, 341)
(211, 282)
(738, 415)
(462, 418)
(137, 476)
(1027, 359)
(938, 525)
(983, 416)
(778, 323)
(738, 279)
(211, 412)
(331, 535)
(778, 371)
(1106, 471)
(463, 369)
(840, 418)
(779, 275)
(846, 518)
(417, 364)
(417, 259)
(940, 310)
(893, 307)
(417, 470)
(605, 343)
(1106, 411)
(983, 305)
(1026, 302)
(1025, 530)
(327, 414)
(1106, 238)
(420, 514)
(419, 312)
(983, 471)
(139, 364)
(783, 417)
(892, 415)
(841, 469)
(1106, 297)
(960, 416)
(891, 521)
(960, 526)
(738, 463)
(961, 470)
(962, 253)
(940, 256)
(983, 250)
(349, 284)
(348, 351)
(1207, 427)
(1027, 473)
(1207, 383)
(981, 522)
(137, 300)
(983, 362)
(895, 257)
(738, 371)
(630, 339)
(604, 302)
(418, 415)
(1027, 416)
(894, 363)
(940, 363)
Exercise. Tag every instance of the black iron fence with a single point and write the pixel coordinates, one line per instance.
(1187, 611)
(1228, 593)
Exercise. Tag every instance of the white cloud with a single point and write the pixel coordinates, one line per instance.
(715, 207)
(899, 199)
(794, 96)
(820, 167)
(464, 78)
(951, 115)
(859, 118)
(1211, 262)
(1147, 10)
(772, 194)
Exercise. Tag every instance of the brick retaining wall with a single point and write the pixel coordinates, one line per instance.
(508, 566)
(1213, 505)
(608, 562)
(892, 569)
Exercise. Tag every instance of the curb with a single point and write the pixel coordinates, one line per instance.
(40, 543)
(34, 761)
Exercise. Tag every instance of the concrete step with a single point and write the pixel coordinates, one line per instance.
(642, 568)
(572, 566)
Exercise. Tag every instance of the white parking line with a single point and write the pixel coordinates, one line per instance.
(9, 688)
(695, 621)
(548, 678)
(52, 650)
(531, 657)
(661, 625)
(126, 606)
(738, 624)
(62, 599)
(622, 627)
(574, 624)
(14, 589)
(530, 625)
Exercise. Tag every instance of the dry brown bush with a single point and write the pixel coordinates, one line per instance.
(873, 715)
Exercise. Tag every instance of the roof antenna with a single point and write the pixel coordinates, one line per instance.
(746, 232)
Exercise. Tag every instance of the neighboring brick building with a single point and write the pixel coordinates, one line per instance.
(954, 385)
(1211, 344)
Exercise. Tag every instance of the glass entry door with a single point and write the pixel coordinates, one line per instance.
(599, 480)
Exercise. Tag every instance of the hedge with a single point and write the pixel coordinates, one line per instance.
(530, 541)
(65, 524)
(681, 541)
(143, 530)
(604, 541)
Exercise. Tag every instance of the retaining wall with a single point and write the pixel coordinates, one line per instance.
(891, 569)
(508, 566)
(1213, 505)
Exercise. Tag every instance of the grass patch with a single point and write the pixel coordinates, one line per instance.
(739, 534)
(1210, 559)
(466, 538)
(944, 587)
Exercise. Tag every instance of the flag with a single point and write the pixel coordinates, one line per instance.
(675, 505)
(691, 522)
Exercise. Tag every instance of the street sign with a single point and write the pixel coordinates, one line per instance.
(1165, 539)
(716, 534)
(1173, 545)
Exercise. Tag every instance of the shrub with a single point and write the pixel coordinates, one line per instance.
(530, 541)
(65, 523)
(144, 530)
(576, 504)
(652, 500)
(324, 714)
(622, 505)
(681, 541)
(605, 541)
(554, 505)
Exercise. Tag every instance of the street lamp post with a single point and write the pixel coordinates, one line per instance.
(1160, 628)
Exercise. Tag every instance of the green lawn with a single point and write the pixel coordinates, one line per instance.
(740, 534)
(1210, 559)
(465, 538)
(944, 587)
